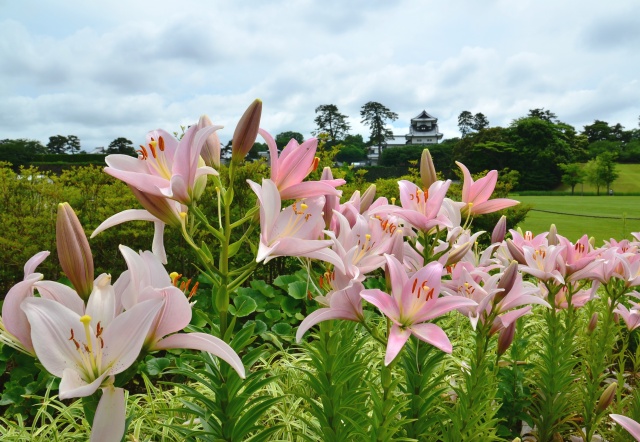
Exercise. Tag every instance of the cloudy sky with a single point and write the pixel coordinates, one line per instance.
(101, 70)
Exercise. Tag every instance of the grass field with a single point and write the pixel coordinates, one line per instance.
(576, 215)
(627, 182)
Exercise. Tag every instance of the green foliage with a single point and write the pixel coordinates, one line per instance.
(400, 156)
(20, 152)
(228, 408)
(375, 115)
(121, 145)
(283, 138)
(92, 158)
(336, 379)
(331, 122)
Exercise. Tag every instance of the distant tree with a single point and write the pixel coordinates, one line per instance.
(73, 144)
(572, 175)
(376, 115)
(606, 164)
(355, 141)
(465, 123)
(121, 145)
(480, 122)
(543, 114)
(20, 152)
(283, 138)
(592, 175)
(351, 154)
(57, 144)
(597, 131)
(400, 156)
(254, 153)
(329, 120)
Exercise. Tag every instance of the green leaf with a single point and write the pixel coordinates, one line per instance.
(261, 300)
(290, 306)
(298, 289)
(283, 281)
(263, 288)
(273, 314)
(260, 326)
(281, 329)
(155, 366)
(244, 306)
(233, 248)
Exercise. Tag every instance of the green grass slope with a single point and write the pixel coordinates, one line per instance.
(602, 217)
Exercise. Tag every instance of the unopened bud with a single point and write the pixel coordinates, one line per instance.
(515, 252)
(428, 174)
(552, 237)
(507, 280)
(606, 398)
(499, 231)
(367, 198)
(505, 338)
(593, 323)
(458, 253)
(74, 252)
(246, 132)
(210, 152)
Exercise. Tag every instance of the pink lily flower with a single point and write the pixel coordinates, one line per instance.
(630, 316)
(344, 304)
(159, 210)
(543, 263)
(295, 231)
(14, 322)
(148, 280)
(293, 165)
(166, 167)
(412, 302)
(87, 356)
(421, 209)
(476, 194)
(628, 424)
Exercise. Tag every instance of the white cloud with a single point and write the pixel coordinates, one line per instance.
(103, 70)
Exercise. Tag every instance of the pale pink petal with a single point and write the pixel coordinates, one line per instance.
(628, 424)
(309, 189)
(145, 182)
(159, 276)
(33, 262)
(61, 293)
(467, 182)
(397, 338)
(432, 334)
(72, 384)
(442, 305)
(51, 326)
(383, 301)
(126, 162)
(123, 338)
(296, 162)
(14, 318)
(482, 189)
(101, 305)
(203, 342)
(507, 318)
(273, 152)
(138, 274)
(493, 206)
(158, 241)
(397, 276)
(124, 216)
(174, 315)
(109, 421)
(324, 314)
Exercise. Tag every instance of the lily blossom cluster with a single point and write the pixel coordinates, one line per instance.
(88, 340)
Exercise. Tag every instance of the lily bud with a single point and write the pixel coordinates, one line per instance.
(505, 338)
(606, 398)
(210, 152)
(367, 198)
(515, 252)
(428, 174)
(74, 252)
(552, 237)
(507, 281)
(246, 131)
(458, 253)
(593, 323)
(499, 231)
(161, 208)
(331, 202)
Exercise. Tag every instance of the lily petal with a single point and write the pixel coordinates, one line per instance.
(203, 342)
(109, 421)
(397, 338)
(432, 334)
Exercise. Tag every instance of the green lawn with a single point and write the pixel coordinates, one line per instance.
(625, 208)
(627, 182)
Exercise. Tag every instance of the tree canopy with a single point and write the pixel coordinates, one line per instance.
(375, 115)
(330, 121)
